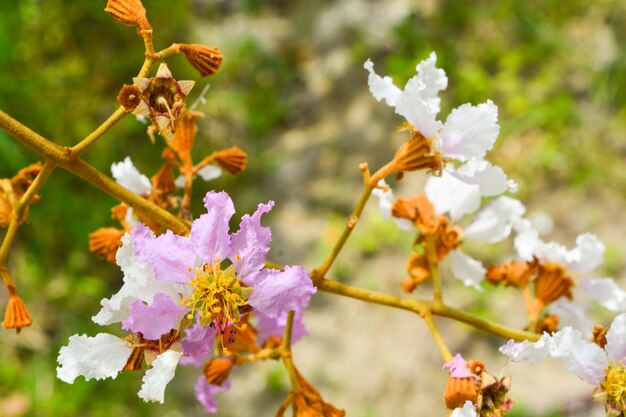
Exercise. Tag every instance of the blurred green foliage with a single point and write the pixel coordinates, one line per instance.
(556, 70)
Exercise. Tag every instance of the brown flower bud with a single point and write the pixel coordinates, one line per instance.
(128, 12)
(517, 274)
(206, 60)
(232, 160)
(599, 335)
(549, 324)
(217, 370)
(418, 269)
(459, 390)
(129, 97)
(105, 242)
(16, 314)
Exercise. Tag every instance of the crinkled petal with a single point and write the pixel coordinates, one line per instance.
(467, 269)
(275, 326)
(210, 172)
(572, 315)
(209, 233)
(385, 202)
(468, 410)
(129, 177)
(529, 352)
(616, 339)
(276, 292)
(154, 320)
(458, 367)
(494, 222)
(197, 344)
(490, 178)
(250, 244)
(171, 256)
(205, 392)
(587, 255)
(432, 79)
(382, 88)
(606, 292)
(411, 105)
(584, 359)
(470, 131)
(451, 195)
(99, 357)
(139, 284)
(527, 240)
(156, 378)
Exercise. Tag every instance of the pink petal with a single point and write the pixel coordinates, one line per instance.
(209, 233)
(250, 244)
(275, 326)
(205, 392)
(276, 292)
(155, 320)
(458, 367)
(197, 344)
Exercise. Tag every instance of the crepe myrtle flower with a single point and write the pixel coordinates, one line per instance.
(601, 363)
(169, 281)
(468, 132)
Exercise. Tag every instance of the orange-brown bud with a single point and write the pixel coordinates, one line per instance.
(232, 160)
(205, 59)
(552, 283)
(105, 242)
(449, 238)
(416, 154)
(129, 97)
(417, 267)
(16, 314)
(405, 208)
(599, 335)
(517, 274)
(475, 366)
(217, 370)
(549, 324)
(128, 12)
(459, 390)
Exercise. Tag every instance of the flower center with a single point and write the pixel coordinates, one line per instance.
(615, 385)
(217, 295)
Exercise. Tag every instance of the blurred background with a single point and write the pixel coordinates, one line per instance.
(292, 92)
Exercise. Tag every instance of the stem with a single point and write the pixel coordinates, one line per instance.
(320, 272)
(436, 334)
(433, 267)
(81, 146)
(285, 350)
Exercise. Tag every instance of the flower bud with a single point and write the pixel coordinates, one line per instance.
(599, 335)
(419, 272)
(105, 242)
(459, 390)
(128, 12)
(217, 370)
(16, 314)
(129, 97)
(232, 160)
(206, 60)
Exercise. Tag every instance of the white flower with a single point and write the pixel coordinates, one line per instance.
(156, 378)
(127, 175)
(468, 410)
(208, 173)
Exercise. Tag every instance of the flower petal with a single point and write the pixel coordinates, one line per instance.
(129, 177)
(385, 202)
(494, 222)
(381, 88)
(156, 378)
(250, 244)
(99, 357)
(587, 255)
(467, 269)
(470, 131)
(490, 178)
(205, 392)
(451, 195)
(276, 292)
(529, 352)
(411, 105)
(468, 410)
(155, 320)
(170, 255)
(616, 339)
(584, 359)
(275, 326)
(432, 79)
(458, 367)
(197, 344)
(209, 233)
(210, 172)
(606, 292)
(572, 315)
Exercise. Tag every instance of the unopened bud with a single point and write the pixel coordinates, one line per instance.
(205, 59)
(217, 370)
(105, 242)
(128, 12)
(459, 390)
(232, 160)
(16, 315)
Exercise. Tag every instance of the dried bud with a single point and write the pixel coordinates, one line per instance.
(549, 324)
(552, 283)
(232, 160)
(128, 12)
(459, 390)
(599, 335)
(129, 97)
(217, 370)
(417, 154)
(105, 242)
(417, 209)
(418, 269)
(16, 314)
(449, 238)
(205, 59)
(517, 274)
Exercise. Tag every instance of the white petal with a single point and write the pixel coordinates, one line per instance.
(417, 111)
(606, 292)
(432, 79)
(572, 315)
(142, 83)
(163, 71)
(616, 339)
(470, 131)
(142, 110)
(156, 378)
(130, 217)
(186, 86)
(527, 241)
(468, 410)
(129, 177)
(139, 284)
(584, 359)
(542, 222)
(180, 182)
(381, 88)
(494, 222)
(490, 178)
(467, 269)
(99, 357)
(451, 195)
(529, 352)
(587, 255)
(210, 172)
(385, 202)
